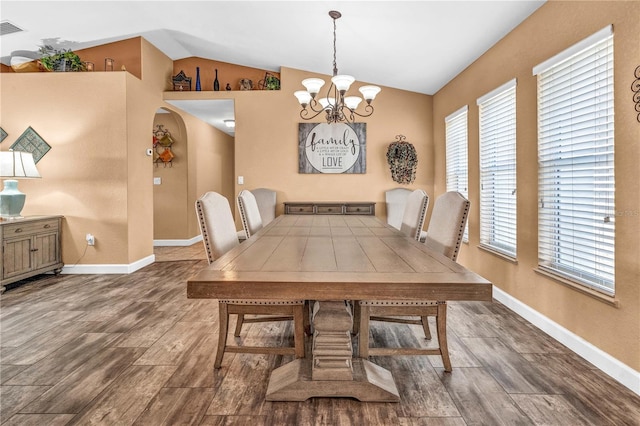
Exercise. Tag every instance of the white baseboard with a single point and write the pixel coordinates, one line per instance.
(619, 371)
(177, 243)
(109, 268)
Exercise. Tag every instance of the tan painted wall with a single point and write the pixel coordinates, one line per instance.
(84, 176)
(551, 29)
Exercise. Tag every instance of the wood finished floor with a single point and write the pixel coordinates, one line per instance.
(132, 349)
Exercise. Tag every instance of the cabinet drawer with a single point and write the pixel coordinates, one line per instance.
(300, 209)
(29, 228)
(366, 209)
(329, 209)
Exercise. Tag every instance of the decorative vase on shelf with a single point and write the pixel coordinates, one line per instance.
(198, 87)
(228, 86)
(216, 83)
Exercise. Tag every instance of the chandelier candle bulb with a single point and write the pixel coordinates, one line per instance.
(352, 102)
(343, 82)
(313, 85)
(369, 92)
(303, 97)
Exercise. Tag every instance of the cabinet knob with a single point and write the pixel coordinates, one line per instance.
(358, 209)
(330, 209)
(34, 249)
(18, 230)
(47, 226)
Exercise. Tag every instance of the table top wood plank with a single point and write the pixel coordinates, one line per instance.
(383, 258)
(350, 257)
(319, 255)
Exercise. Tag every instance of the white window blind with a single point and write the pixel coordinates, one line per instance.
(498, 169)
(456, 155)
(576, 217)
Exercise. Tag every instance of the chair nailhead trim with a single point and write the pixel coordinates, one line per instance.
(400, 303)
(260, 302)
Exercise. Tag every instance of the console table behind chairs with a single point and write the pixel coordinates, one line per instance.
(330, 207)
(330, 259)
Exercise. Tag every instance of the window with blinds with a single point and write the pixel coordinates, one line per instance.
(576, 217)
(456, 155)
(498, 169)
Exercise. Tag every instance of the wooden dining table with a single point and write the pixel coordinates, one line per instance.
(332, 259)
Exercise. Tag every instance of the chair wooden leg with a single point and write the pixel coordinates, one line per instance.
(363, 337)
(356, 317)
(425, 327)
(441, 322)
(239, 323)
(223, 329)
(298, 329)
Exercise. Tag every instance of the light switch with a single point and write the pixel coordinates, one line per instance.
(240, 180)
(157, 181)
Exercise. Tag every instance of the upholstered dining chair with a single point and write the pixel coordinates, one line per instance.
(444, 235)
(395, 200)
(249, 212)
(266, 200)
(415, 210)
(219, 236)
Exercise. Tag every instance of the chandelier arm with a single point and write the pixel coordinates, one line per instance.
(368, 108)
(305, 112)
(315, 103)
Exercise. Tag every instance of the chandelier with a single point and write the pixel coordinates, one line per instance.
(336, 106)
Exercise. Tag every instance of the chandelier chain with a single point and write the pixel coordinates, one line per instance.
(335, 63)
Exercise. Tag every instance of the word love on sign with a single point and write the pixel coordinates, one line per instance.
(332, 148)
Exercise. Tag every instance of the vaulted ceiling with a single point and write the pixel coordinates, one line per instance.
(412, 45)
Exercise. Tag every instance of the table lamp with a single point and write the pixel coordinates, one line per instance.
(14, 165)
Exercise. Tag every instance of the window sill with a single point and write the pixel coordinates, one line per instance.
(498, 254)
(609, 300)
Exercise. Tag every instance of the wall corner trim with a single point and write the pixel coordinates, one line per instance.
(619, 371)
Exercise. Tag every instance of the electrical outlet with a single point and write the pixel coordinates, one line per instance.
(91, 240)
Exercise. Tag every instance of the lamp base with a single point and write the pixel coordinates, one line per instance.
(11, 200)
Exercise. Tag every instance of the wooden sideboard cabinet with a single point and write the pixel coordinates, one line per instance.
(30, 246)
(310, 207)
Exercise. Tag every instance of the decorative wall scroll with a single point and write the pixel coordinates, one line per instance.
(635, 88)
(332, 148)
(403, 161)
(31, 141)
(162, 142)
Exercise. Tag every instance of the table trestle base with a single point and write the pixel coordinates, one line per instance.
(371, 383)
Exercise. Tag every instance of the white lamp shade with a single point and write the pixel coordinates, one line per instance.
(352, 102)
(327, 102)
(303, 97)
(17, 164)
(342, 82)
(369, 92)
(313, 85)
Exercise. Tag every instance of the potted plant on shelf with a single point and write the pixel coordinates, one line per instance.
(270, 82)
(60, 60)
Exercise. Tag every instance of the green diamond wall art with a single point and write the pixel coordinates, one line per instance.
(31, 141)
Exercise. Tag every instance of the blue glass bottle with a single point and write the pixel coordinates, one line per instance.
(198, 87)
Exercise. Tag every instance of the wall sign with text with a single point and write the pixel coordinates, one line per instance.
(332, 148)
